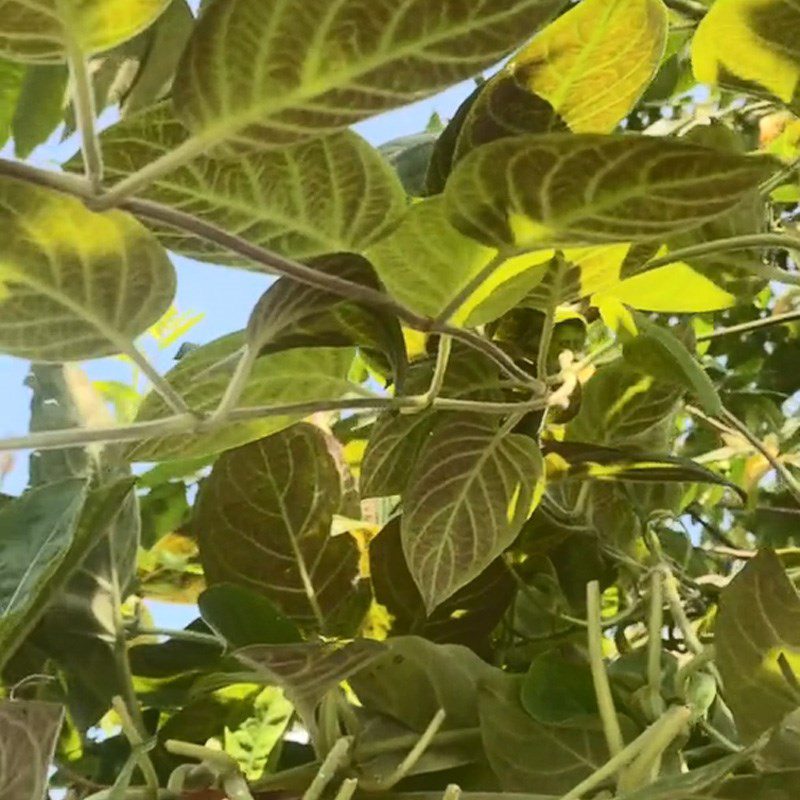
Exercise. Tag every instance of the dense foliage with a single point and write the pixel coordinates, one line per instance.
(499, 491)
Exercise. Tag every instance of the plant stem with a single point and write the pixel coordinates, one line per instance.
(136, 740)
(159, 383)
(472, 285)
(237, 384)
(688, 8)
(791, 484)
(655, 624)
(337, 758)
(460, 736)
(85, 112)
(678, 613)
(602, 688)
(426, 400)
(182, 635)
(545, 340)
(775, 319)
(659, 733)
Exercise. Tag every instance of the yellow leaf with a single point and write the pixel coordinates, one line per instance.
(593, 63)
(753, 40)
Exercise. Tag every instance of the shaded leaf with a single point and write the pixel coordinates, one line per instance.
(593, 63)
(410, 156)
(563, 756)
(556, 691)
(474, 487)
(244, 617)
(65, 296)
(322, 196)
(468, 617)
(263, 521)
(644, 187)
(757, 639)
(11, 78)
(202, 376)
(40, 107)
(291, 314)
(28, 733)
(333, 65)
(41, 31)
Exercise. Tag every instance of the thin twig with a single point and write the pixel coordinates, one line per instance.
(426, 400)
(655, 624)
(337, 758)
(160, 384)
(135, 737)
(744, 327)
(545, 340)
(602, 688)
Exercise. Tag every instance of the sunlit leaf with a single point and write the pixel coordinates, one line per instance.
(28, 734)
(758, 645)
(326, 195)
(472, 490)
(753, 41)
(291, 376)
(594, 62)
(331, 65)
(277, 497)
(66, 296)
(615, 188)
(42, 31)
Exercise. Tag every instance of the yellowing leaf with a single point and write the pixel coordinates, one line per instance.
(76, 284)
(594, 62)
(425, 263)
(753, 40)
(275, 72)
(40, 31)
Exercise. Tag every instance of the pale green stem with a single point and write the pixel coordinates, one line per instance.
(744, 327)
(338, 757)
(704, 657)
(134, 734)
(85, 112)
(425, 401)
(657, 737)
(216, 759)
(452, 792)
(178, 635)
(640, 771)
(347, 789)
(237, 384)
(602, 688)
(675, 602)
(545, 340)
(655, 625)
(175, 402)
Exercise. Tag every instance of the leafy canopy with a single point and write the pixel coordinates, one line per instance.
(498, 491)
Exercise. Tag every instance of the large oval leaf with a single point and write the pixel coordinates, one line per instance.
(594, 62)
(473, 489)
(201, 378)
(322, 196)
(75, 284)
(582, 188)
(264, 522)
(281, 71)
(40, 31)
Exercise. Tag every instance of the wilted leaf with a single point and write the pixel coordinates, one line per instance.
(468, 617)
(615, 188)
(333, 65)
(757, 638)
(66, 296)
(752, 41)
(594, 61)
(425, 263)
(291, 314)
(28, 734)
(318, 197)
(562, 756)
(263, 520)
(473, 488)
(202, 376)
(41, 31)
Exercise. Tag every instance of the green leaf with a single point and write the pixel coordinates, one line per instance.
(556, 691)
(615, 188)
(468, 617)
(752, 41)
(322, 196)
(472, 490)
(757, 639)
(334, 64)
(202, 376)
(28, 733)
(40, 108)
(307, 671)
(425, 263)
(657, 352)
(66, 296)
(36, 531)
(770, 786)
(563, 755)
(41, 31)
(410, 157)
(593, 63)
(264, 519)
(243, 617)
(11, 78)
(291, 314)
